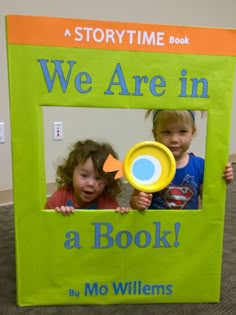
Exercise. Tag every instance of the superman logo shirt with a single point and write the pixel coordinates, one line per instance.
(183, 192)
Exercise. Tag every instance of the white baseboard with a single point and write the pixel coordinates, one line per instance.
(6, 196)
(232, 158)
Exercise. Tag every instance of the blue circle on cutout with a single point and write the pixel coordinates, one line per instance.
(143, 169)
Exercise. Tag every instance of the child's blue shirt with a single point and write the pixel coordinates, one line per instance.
(183, 191)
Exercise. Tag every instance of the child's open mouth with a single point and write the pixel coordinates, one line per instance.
(88, 194)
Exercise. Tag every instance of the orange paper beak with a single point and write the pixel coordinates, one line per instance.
(112, 164)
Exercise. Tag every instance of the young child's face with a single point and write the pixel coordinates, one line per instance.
(176, 135)
(87, 183)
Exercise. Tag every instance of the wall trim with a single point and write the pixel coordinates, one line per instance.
(232, 159)
(6, 196)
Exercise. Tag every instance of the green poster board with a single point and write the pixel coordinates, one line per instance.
(101, 257)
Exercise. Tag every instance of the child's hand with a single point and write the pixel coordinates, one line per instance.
(140, 200)
(228, 174)
(122, 209)
(65, 210)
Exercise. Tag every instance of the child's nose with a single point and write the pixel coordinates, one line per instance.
(90, 181)
(174, 137)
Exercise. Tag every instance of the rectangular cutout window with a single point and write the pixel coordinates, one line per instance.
(122, 128)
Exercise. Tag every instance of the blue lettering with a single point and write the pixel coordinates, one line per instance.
(73, 292)
(137, 239)
(128, 239)
(120, 287)
(79, 82)
(73, 240)
(95, 289)
(138, 81)
(106, 235)
(91, 290)
(121, 82)
(154, 85)
(183, 84)
(159, 238)
(169, 289)
(57, 72)
(195, 87)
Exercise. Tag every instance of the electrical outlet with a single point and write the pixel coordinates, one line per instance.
(57, 130)
(2, 132)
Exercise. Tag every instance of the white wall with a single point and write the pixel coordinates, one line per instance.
(214, 13)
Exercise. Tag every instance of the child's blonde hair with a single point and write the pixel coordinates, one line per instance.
(80, 152)
(171, 114)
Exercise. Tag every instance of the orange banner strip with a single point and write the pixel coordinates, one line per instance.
(66, 32)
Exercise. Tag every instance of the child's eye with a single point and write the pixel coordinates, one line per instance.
(165, 132)
(100, 179)
(83, 175)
